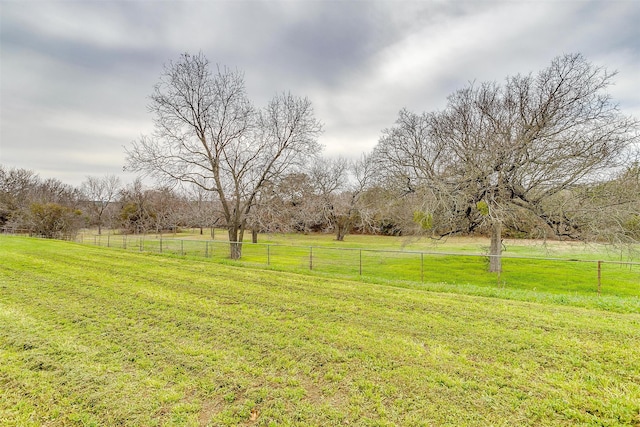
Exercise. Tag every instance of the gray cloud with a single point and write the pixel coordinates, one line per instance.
(76, 75)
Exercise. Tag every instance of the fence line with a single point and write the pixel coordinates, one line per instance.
(553, 274)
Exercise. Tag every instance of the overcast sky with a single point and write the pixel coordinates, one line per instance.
(76, 75)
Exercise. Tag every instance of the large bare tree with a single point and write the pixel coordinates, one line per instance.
(208, 133)
(497, 151)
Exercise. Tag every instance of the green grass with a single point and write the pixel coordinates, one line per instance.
(457, 244)
(561, 268)
(90, 336)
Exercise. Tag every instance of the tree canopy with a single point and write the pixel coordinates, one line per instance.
(209, 134)
(497, 150)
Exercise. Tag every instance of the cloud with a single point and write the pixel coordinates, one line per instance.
(76, 75)
(90, 124)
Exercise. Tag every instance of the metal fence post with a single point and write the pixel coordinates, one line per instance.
(182, 247)
(268, 255)
(422, 267)
(206, 249)
(361, 262)
(599, 276)
(310, 257)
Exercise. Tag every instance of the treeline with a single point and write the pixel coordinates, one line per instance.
(337, 196)
(45, 207)
(333, 196)
(53, 209)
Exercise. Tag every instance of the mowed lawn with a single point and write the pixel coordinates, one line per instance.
(96, 336)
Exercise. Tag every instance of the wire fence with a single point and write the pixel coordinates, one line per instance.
(544, 274)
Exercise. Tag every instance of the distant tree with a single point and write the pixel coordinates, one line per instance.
(136, 215)
(52, 190)
(340, 185)
(99, 193)
(169, 209)
(606, 211)
(627, 201)
(499, 151)
(326, 197)
(208, 134)
(286, 205)
(46, 208)
(203, 211)
(329, 177)
(53, 220)
(16, 189)
(387, 212)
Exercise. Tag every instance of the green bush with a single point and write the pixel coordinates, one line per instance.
(54, 221)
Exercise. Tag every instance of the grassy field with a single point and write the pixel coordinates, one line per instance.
(560, 268)
(457, 244)
(91, 336)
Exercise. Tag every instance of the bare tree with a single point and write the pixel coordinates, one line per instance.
(607, 211)
(328, 177)
(99, 195)
(412, 164)
(287, 205)
(340, 184)
(136, 214)
(207, 133)
(52, 190)
(202, 209)
(169, 209)
(16, 189)
(496, 150)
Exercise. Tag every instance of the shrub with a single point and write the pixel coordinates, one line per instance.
(54, 221)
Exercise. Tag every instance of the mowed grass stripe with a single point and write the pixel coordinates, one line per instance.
(100, 337)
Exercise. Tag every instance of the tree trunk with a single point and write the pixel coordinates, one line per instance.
(254, 235)
(342, 229)
(235, 243)
(495, 250)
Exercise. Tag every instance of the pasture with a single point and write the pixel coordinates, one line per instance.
(93, 336)
(569, 271)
